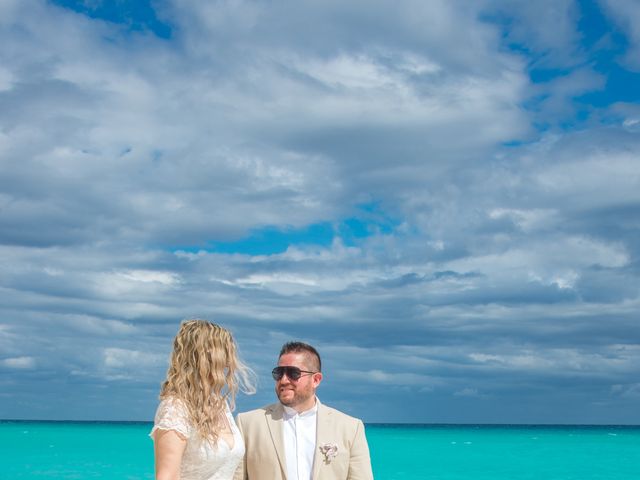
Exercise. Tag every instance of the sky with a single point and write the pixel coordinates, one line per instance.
(442, 196)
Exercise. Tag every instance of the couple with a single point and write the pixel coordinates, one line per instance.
(297, 438)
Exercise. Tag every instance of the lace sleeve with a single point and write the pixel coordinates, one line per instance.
(172, 415)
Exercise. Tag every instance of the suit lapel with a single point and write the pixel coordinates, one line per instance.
(324, 434)
(274, 416)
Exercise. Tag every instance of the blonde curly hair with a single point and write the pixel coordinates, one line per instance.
(205, 373)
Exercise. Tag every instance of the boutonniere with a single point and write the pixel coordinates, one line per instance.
(330, 451)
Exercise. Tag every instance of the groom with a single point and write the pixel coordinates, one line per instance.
(299, 438)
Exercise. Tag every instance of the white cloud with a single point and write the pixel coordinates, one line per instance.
(19, 363)
(349, 72)
(147, 276)
(390, 378)
(549, 260)
(561, 361)
(627, 14)
(547, 27)
(6, 79)
(132, 283)
(123, 359)
(528, 220)
(606, 174)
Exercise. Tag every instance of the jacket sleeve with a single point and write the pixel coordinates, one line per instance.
(360, 461)
(241, 471)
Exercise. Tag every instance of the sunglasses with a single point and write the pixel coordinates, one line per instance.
(292, 373)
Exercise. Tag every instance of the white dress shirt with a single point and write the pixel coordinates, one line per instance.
(299, 441)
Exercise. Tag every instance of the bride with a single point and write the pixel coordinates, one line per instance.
(195, 436)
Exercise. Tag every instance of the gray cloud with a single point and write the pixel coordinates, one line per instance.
(497, 280)
(625, 14)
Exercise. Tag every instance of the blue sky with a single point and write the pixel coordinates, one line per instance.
(443, 197)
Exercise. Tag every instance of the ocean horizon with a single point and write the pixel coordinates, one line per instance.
(122, 450)
(381, 424)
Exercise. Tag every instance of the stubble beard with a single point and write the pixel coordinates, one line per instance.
(297, 399)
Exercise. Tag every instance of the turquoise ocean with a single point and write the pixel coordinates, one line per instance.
(122, 450)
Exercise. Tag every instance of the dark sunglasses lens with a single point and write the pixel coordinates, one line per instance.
(293, 373)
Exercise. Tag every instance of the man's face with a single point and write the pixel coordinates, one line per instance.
(299, 394)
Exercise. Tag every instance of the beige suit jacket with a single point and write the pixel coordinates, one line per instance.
(262, 431)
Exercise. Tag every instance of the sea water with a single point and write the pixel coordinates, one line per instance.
(505, 452)
(108, 450)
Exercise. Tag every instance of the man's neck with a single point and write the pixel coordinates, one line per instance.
(303, 408)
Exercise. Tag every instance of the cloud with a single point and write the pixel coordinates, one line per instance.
(132, 123)
(441, 196)
(562, 360)
(120, 358)
(629, 391)
(546, 29)
(390, 378)
(467, 392)
(19, 363)
(625, 13)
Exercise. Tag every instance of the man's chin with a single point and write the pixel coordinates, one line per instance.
(286, 400)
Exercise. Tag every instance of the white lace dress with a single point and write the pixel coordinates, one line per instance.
(201, 459)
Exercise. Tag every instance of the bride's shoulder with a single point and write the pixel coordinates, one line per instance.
(172, 407)
(172, 414)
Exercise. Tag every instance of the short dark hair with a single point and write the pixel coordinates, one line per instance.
(301, 347)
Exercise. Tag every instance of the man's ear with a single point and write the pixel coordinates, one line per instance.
(317, 378)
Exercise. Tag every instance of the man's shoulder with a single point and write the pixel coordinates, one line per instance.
(338, 415)
(258, 412)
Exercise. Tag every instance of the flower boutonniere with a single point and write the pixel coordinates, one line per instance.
(330, 451)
